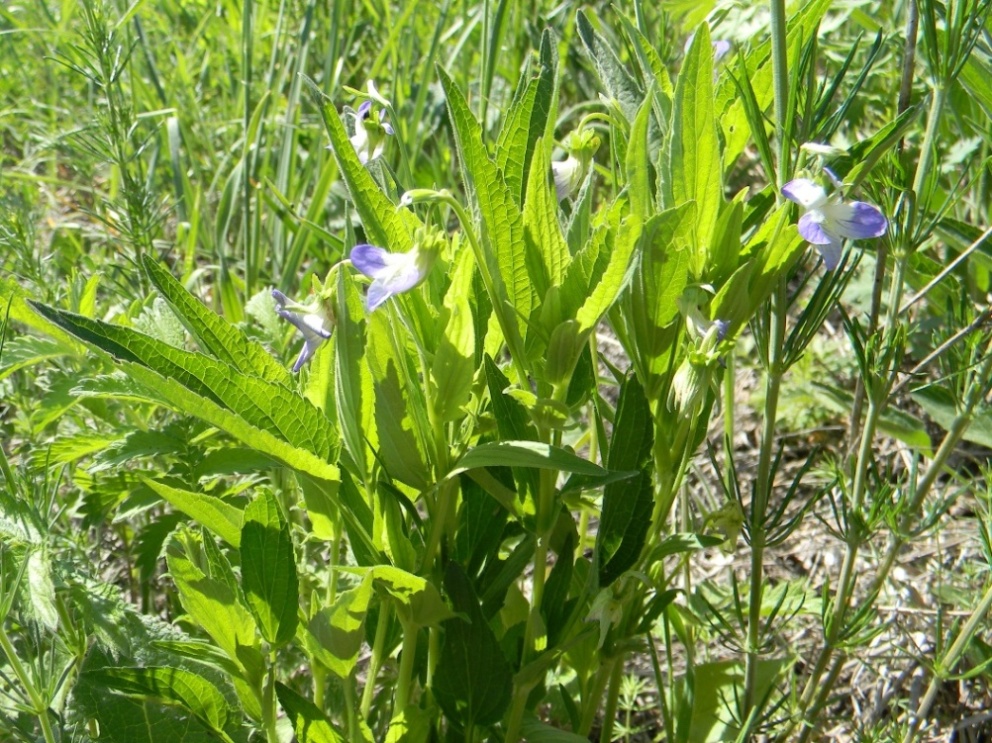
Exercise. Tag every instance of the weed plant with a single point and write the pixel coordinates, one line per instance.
(463, 371)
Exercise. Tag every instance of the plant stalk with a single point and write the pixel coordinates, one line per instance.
(780, 73)
(407, 657)
(762, 494)
(375, 662)
(40, 709)
(947, 664)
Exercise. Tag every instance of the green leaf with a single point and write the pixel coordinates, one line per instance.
(268, 569)
(472, 681)
(214, 334)
(639, 175)
(619, 270)
(335, 633)
(401, 439)
(262, 404)
(612, 74)
(146, 385)
(626, 514)
(453, 367)
(529, 115)
(892, 422)
(220, 517)
(385, 224)
(40, 588)
(353, 392)
(502, 233)
(940, 405)
(675, 544)
(417, 600)
(168, 685)
(214, 605)
(411, 725)
(309, 723)
(535, 731)
(771, 253)
(651, 305)
(694, 167)
(15, 305)
(24, 351)
(546, 246)
(526, 454)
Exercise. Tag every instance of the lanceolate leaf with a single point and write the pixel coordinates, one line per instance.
(529, 115)
(453, 368)
(627, 505)
(661, 277)
(401, 439)
(526, 454)
(170, 686)
(353, 392)
(264, 405)
(146, 385)
(220, 517)
(614, 76)
(214, 605)
(335, 633)
(695, 172)
(215, 334)
(546, 247)
(415, 598)
(502, 223)
(268, 569)
(472, 681)
(309, 723)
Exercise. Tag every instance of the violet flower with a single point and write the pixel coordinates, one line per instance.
(393, 273)
(829, 220)
(313, 324)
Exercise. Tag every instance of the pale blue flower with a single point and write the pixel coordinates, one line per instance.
(829, 220)
(371, 129)
(581, 146)
(392, 273)
(568, 176)
(312, 322)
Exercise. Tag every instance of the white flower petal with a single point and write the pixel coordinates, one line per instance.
(806, 193)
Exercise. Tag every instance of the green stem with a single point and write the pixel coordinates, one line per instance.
(612, 697)
(729, 404)
(348, 691)
(948, 662)
(375, 662)
(780, 73)
(407, 657)
(590, 702)
(762, 494)
(515, 717)
(929, 139)
(269, 711)
(39, 707)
